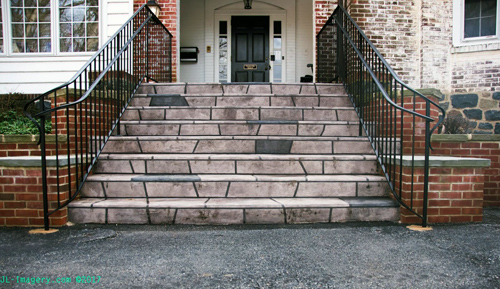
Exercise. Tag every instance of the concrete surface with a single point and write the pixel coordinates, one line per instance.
(350, 255)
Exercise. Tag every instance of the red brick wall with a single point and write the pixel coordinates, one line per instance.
(23, 148)
(477, 149)
(323, 9)
(21, 199)
(455, 194)
(168, 16)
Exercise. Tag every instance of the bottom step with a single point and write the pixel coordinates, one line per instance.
(224, 211)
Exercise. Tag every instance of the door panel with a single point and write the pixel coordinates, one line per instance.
(241, 48)
(259, 47)
(259, 76)
(241, 76)
(250, 49)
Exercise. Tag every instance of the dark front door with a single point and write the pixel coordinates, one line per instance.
(250, 49)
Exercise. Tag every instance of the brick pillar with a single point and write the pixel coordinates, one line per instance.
(168, 16)
(323, 9)
(476, 146)
(455, 189)
(21, 198)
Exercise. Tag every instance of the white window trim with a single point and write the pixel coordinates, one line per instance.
(460, 44)
(7, 37)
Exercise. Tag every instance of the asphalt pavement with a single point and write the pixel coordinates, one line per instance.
(349, 255)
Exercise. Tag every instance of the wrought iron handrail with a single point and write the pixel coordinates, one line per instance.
(87, 109)
(394, 126)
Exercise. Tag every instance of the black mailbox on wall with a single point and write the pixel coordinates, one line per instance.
(189, 54)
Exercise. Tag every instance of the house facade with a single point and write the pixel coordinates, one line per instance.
(449, 45)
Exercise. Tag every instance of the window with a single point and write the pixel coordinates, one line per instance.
(31, 28)
(50, 26)
(277, 52)
(480, 18)
(223, 51)
(476, 22)
(78, 25)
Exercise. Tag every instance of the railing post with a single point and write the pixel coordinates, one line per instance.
(426, 163)
(44, 173)
(170, 60)
(147, 50)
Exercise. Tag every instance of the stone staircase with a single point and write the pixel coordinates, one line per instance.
(236, 154)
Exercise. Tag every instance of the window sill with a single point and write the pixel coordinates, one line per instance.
(465, 48)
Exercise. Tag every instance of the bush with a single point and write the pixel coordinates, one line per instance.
(455, 124)
(12, 118)
(13, 123)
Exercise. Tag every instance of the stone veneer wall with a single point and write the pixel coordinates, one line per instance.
(416, 38)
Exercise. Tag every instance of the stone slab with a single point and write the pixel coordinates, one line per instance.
(264, 216)
(209, 216)
(87, 215)
(168, 100)
(128, 216)
(307, 215)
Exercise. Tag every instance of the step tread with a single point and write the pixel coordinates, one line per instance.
(238, 157)
(241, 107)
(231, 178)
(228, 203)
(215, 121)
(243, 137)
(242, 95)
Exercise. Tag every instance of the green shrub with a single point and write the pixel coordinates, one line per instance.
(12, 117)
(12, 122)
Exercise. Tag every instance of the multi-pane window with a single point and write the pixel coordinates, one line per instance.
(31, 26)
(78, 24)
(49, 26)
(480, 18)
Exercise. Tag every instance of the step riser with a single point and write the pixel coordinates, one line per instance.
(235, 189)
(240, 89)
(292, 101)
(230, 216)
(268, 167)
(245, 113)
(237, 147)
(240, 129)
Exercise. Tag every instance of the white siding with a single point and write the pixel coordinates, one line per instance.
(37, 73)
(192, 34)
(305, 38)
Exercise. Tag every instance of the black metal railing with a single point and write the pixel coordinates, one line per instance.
(87, 109)
(395, 117)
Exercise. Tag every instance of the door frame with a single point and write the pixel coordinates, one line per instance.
(225, 15)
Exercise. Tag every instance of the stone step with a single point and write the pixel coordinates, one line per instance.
(240, 113)
(328, 100)
(224, 211)
(238, 145)
(248, 127)
(232, 186)
(240, 88)
(236, 164)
